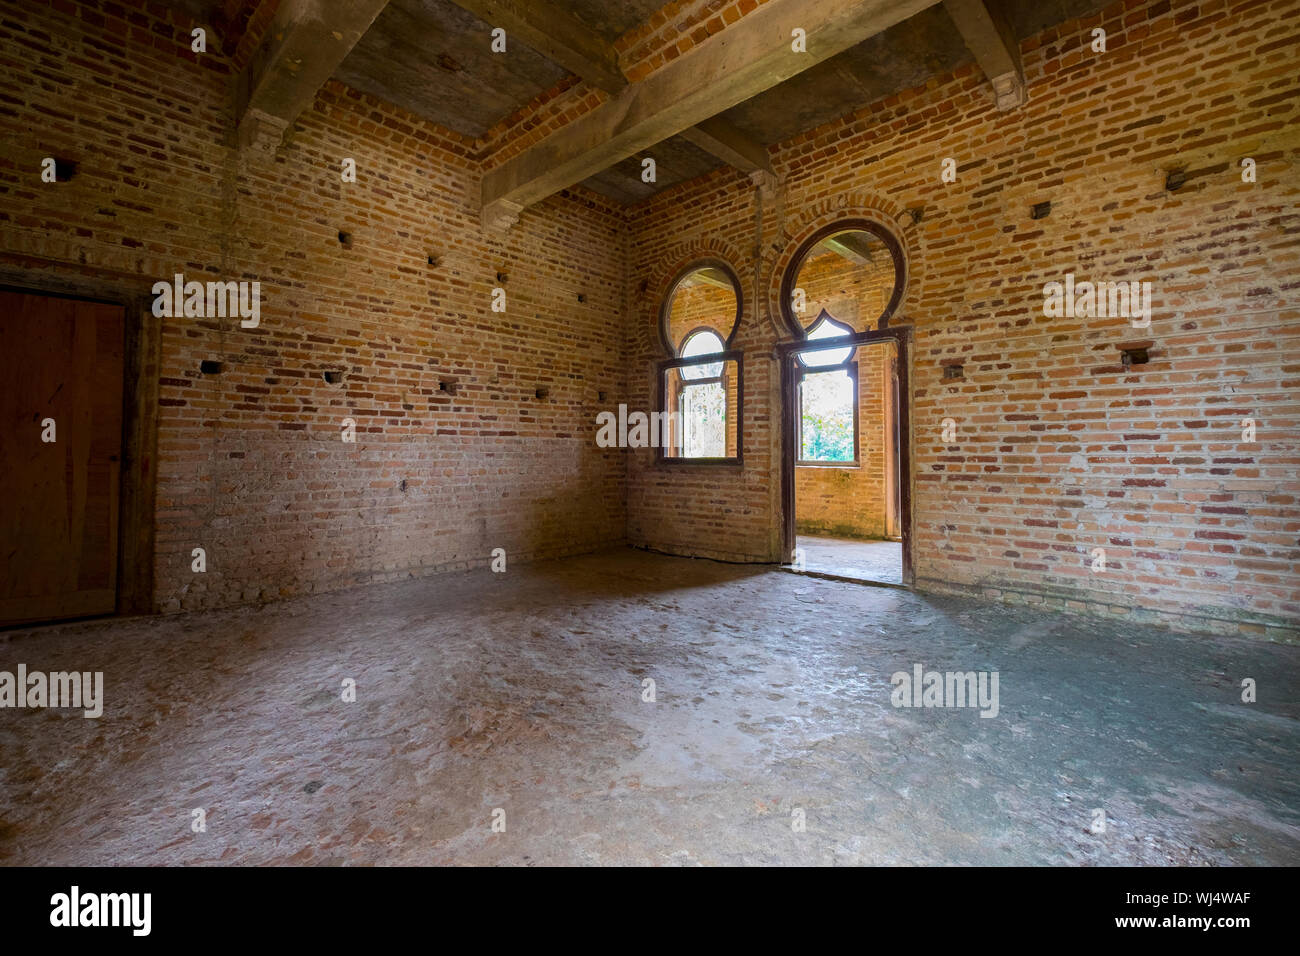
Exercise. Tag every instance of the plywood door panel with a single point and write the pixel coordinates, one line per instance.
(60, 359)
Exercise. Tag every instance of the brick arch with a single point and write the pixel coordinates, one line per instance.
(669, 265)
(886, 213)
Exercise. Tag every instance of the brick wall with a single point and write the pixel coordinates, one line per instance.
(1059, 448)
(250, 463)
(724, 511)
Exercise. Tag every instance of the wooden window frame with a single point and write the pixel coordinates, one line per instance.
(849, 365)
(661, 405)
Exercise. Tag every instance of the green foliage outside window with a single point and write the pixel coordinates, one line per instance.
(826, 408)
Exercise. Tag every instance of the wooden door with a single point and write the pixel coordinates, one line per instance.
(61, 360)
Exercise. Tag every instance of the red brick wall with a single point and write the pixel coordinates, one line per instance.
(723, 511)
(1059, 448)
(250, 463)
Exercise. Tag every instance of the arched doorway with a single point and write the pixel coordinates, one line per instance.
(845, 462)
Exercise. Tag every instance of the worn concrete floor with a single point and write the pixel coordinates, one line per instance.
(880, 561)
(523, 691)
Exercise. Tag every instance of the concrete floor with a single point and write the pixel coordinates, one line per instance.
(880, 561)
(523, 692)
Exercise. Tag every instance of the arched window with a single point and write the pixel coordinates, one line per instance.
(852, 271)
(826, 328)
(846, 278)
(701, 342)
(704, 295)
(701, 384)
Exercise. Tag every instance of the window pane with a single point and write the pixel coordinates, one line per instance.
(826, 416)
(704, 421)
(826, 328)
(703, 342)
(702, 412)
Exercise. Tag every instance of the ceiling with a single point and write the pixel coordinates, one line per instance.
(1028, 17)
(904, 56)
(433, 59)
(610, 19)
(202, 11)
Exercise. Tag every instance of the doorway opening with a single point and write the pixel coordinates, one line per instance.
(847, 506)
(846, 463)
(845, 474)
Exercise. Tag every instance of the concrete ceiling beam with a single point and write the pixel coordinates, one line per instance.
(993, 43)
(750, 56)
(719, 138)
(713, 277)
(851, 247)
(555, 33)
(303, 46)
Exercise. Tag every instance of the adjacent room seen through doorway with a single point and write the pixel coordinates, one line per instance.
(846, 472)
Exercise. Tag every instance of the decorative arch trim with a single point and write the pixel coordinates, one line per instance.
(885, 217)
(670, 291)
(667, 270)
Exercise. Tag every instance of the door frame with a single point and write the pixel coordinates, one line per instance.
(142, 347)
(901, 335)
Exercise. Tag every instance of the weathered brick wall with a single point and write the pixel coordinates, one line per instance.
(250, 462)
(1059, 449)
(851, 500)
(724, 511)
